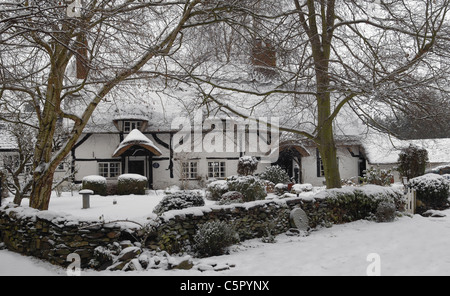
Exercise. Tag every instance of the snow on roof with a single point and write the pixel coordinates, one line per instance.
(384, 149)
(135, 137)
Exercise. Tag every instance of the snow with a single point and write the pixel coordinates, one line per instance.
(95, 179)
(381, 148)
(132, 177)
(135, 137)
(339, 250)
(299, 188)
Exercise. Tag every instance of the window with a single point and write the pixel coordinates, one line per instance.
(320, 168)
(216, 169)
(109, 169)
(321, 172)
(189, 170)
(128, 126)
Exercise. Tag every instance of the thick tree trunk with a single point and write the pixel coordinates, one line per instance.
(42, 190)
(43, 166)
(328, 153)
(325, 137)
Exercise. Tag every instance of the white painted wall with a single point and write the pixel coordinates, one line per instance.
(348, 166)
(102, 146)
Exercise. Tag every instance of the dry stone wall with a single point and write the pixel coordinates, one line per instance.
(176, 229)
(52, 237)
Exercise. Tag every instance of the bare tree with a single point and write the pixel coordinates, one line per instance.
(17, 164)
(330, 55)
(57, 54)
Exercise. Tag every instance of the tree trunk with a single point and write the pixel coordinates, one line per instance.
(42, 190)
(325, 137)
(328, 153)
(43, 166)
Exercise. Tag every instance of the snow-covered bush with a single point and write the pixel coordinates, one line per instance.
(275, 174)
(95, 183)
(353, 203)
(252, 188)
(281, 188)
(231, 197)
(385, 212)
(179, 200)
(131, 184)
(247, 165)
(299, 188)
(447, 177)
(432, 192)
(213, 238)
(378, 176)
(216, 189)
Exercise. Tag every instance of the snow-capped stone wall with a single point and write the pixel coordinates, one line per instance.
(176, 229)
(53, 237)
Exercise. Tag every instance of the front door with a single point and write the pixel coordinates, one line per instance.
(136, 167)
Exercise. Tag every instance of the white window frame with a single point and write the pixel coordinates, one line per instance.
(217, 169)
(113, 169)
(189, 170)
(132, 124)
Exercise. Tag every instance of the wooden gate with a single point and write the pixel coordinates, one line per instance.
(410, 196)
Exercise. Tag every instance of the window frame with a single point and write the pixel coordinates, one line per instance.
(221, 169)
(132, 124)
(192, 170)
(109, 169)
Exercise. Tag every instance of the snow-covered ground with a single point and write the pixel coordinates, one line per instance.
(409, 246)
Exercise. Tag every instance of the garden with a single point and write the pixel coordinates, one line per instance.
(130, 228)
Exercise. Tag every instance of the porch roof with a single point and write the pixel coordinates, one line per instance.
(136, 138)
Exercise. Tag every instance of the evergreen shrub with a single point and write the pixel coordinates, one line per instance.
(179, 200)
(95, 183)
(213, 238)
(131, 184)
(432, 192)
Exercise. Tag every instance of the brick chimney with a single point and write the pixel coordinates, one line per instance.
(264, 57)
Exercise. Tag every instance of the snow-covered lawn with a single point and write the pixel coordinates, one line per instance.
(409, 246)
(127, 207)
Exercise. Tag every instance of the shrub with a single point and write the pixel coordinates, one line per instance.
(131, 184)
(216, 189)
(385, 212)
(247, 165)
(281, 189)
(446, 176)
(275, 174)
(432, 192)
(111, 187)
(354, 203)
(179, 200)
(378, 176)
(231, 197)
(412, 161)
(299, 188)
(252, 188)
(95, 183)
(213, 238)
